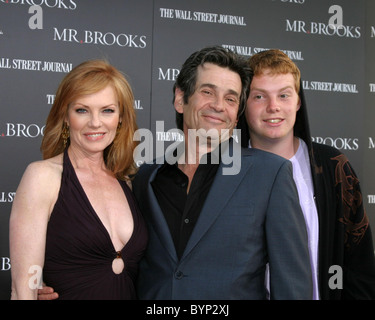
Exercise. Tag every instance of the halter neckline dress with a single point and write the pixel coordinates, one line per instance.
(79, 251)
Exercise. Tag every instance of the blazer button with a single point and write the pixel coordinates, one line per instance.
(178, 275)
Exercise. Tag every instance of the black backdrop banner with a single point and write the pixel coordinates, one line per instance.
(42, 40)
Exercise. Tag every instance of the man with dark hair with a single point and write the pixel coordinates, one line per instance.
(187, 78)
(214, 228)
(212, 233)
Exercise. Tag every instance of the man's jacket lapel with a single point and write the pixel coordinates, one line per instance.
(157, 219)
(220, 194)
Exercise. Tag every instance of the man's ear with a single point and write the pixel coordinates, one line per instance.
(179, 100)
(299, 104)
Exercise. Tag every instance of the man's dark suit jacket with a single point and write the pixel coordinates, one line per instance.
(248, 220)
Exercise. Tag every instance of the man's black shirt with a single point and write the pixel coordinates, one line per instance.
(181, 209)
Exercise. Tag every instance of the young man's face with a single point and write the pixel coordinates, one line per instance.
(271, 108)
(215, 102)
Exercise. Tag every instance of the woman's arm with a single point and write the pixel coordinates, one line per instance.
(34, 200)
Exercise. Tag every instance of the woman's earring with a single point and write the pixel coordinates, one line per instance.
(118, 128)
(65, 134)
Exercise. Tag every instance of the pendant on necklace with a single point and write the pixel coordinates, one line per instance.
(118, 263)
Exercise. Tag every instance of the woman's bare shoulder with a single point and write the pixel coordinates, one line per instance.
(46, 167)
(44, 172)
(39, 187)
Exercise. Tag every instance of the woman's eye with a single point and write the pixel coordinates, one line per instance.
(109, 111)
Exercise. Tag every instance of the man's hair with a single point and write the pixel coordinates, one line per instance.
(217, 55)
(274, 62)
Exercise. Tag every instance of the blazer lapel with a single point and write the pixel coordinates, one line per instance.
(221, 192)
(157, 219)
